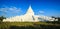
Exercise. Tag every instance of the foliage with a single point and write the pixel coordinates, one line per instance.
(1, 18)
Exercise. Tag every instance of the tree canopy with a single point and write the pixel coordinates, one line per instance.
(2, 17)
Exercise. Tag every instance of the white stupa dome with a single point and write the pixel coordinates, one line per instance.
(28, 17)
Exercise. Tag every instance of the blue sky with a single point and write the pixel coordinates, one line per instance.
(10, 8)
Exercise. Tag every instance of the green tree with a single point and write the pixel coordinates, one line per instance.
(58, 20)
(1, 18)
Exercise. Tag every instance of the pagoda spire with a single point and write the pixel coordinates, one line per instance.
(30, 11)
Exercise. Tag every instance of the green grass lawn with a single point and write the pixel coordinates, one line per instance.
(8, 24)
(22, 23)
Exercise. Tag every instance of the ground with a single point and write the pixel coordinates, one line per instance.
(26, 25)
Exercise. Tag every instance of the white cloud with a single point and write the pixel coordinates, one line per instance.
(3, 9)
(41, 12)
(15, 10)
(10, 9)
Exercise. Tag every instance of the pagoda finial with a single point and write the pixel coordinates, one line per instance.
(30, 11)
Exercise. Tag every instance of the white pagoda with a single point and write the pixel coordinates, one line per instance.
(29, 17)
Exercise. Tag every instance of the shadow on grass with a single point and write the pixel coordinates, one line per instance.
(22, 27)
(33, 27)
(49, 27)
